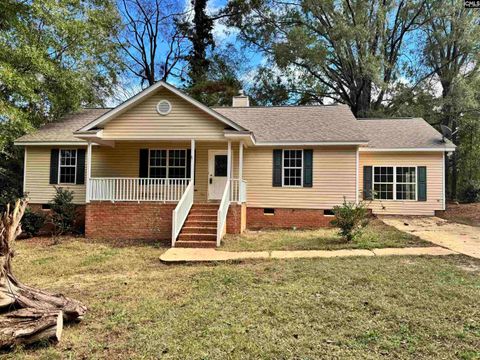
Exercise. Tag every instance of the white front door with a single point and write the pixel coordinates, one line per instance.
(217, 173)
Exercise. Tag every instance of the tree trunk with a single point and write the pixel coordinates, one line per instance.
(39, 315)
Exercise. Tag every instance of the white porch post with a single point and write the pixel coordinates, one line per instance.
(229, 161)
(192, 159)
(357, 175)
(240, 161)
(240, 171)
(89, 171)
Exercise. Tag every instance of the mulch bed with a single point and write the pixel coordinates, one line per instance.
(463, 213)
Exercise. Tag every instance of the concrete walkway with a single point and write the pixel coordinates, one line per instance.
(461, 238)
(182, 255)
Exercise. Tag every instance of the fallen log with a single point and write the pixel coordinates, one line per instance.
(27, 326)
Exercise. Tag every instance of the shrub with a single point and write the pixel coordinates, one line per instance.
(351, 218)
(32, 222)
(470, 192)
(63, 211)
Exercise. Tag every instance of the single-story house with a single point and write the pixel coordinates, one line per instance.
(163, 165)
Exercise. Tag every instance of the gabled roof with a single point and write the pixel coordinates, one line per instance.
(62, 131)
(145, 93)
(307, 124)
(402, 133)
(274, 125)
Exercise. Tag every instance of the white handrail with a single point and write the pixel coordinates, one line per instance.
(238, 191)
(222, 212)
(136, 189)
(181, 211)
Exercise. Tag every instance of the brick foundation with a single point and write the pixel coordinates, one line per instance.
(79, 225)
(287, 218)
(129, 221)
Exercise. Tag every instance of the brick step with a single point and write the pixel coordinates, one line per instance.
(189, 229)
(196, 217)
(205, 206)
(200, 223)
(203, 211)
(197, 237)
(196, 244)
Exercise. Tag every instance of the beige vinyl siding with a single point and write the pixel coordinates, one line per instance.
(333, 178)
(123, 160)
(185, 121)
(38, 177)
(434, 164)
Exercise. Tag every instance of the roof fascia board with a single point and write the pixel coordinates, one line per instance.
(50, 143)
(135, 99)
(407, 149)
(311, 143)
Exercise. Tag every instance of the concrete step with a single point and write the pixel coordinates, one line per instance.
(190, 229)
(196, 244)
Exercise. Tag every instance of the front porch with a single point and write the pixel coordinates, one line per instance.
(175, 181)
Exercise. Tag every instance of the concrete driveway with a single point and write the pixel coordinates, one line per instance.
(457, 237)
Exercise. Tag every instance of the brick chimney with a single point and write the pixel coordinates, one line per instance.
(240, 100)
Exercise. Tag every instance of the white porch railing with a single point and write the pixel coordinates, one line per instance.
(222, 213)
(137, 189)
(181, 211)
(238, 190)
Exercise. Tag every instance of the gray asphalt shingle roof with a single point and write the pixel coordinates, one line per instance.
(401, 133)
(297, 123)
(63, 130)
(333, 123)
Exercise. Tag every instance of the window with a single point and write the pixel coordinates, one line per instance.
(383, 182)
(406, 183)
(168, 164)
(67, 166)
(395, 183)
(292, 167)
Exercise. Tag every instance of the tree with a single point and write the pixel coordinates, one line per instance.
(199, 32)
(350, 49)
(55, 55)
(451, 54)
(150, 39)
(212, 75)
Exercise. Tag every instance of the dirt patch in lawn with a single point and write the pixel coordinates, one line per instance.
(468, 214)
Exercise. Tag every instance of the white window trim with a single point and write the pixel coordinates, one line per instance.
(167, 164)
(60, 166)
(289, 167)
(395, 182)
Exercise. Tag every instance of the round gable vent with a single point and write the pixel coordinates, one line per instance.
(164, 107)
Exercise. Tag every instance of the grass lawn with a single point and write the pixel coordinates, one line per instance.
(375, 307)
(376, 235)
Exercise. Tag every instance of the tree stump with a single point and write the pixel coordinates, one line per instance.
(35, 314)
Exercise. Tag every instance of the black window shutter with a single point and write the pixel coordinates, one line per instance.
(143, 164)
(189, 162)
(307, 168)
(367, 182)
(422, 183)
(54, 166)
(277, 168)
(80, 180)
